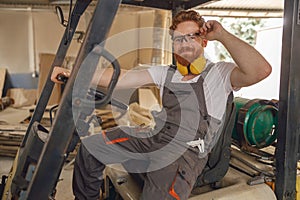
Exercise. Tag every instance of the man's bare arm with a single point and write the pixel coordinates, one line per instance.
(127, 78)
(102, 77)
(252, 66)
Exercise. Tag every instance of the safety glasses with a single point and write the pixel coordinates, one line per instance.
(187, 38)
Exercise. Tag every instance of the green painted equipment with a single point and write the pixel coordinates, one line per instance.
(256, 122)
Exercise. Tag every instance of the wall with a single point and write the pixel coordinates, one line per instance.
(268, 43)
(27, 33)
(133, 39)
(14, 41)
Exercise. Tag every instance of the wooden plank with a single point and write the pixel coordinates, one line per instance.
(8, 150)
(11, 137)
(13, 127)
(2, 80)
(3, 139)
(10, 143)
(8, 154)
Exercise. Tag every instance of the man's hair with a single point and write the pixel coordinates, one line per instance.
(182, 16)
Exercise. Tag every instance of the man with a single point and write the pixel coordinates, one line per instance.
(194, 95)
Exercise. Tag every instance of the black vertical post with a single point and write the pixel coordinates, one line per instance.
(289, 104)
(79, 8)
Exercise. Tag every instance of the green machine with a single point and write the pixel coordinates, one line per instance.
(256, 122)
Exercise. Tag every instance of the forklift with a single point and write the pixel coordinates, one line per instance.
(236, 166)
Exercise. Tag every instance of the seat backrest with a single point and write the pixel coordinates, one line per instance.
(218, 159)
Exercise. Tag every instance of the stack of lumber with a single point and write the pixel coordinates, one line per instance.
(108, 118)
(11, 137)
(135, 116)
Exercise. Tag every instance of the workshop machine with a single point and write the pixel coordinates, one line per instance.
(257, 132)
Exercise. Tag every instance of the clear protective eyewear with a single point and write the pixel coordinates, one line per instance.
(191, 37)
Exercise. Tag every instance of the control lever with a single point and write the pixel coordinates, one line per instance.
(62, 78)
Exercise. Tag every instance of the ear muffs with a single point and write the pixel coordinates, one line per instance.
(182, 69)
(196, 67)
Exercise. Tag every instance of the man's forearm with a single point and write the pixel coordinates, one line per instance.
(103, 76)
(127, 78)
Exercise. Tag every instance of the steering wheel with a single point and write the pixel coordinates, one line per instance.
(100, 95)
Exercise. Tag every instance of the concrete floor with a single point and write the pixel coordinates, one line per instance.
(234, 185)
(64, 186)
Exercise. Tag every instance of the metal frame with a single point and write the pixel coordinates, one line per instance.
(78, 10)
(287, 151)
(166, 4)
(53, 155)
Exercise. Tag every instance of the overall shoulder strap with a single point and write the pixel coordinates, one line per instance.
(206, 70)
(170, 73)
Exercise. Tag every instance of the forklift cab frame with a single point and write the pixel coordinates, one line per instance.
(38, 178)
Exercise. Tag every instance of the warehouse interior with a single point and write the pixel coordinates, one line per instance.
(30, 35)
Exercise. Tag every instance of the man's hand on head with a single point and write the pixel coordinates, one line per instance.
(212, 30)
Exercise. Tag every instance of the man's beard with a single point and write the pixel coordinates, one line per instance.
(185, 61)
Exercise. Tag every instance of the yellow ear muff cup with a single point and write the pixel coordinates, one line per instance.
(198, 65)
(182, 69)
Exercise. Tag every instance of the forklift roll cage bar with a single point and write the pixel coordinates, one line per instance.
(53, 153)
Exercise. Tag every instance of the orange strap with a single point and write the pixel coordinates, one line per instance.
(118, 140)
(172, 190)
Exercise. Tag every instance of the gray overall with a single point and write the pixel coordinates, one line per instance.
(171, 166)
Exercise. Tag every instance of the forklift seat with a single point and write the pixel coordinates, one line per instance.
(218, 159)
